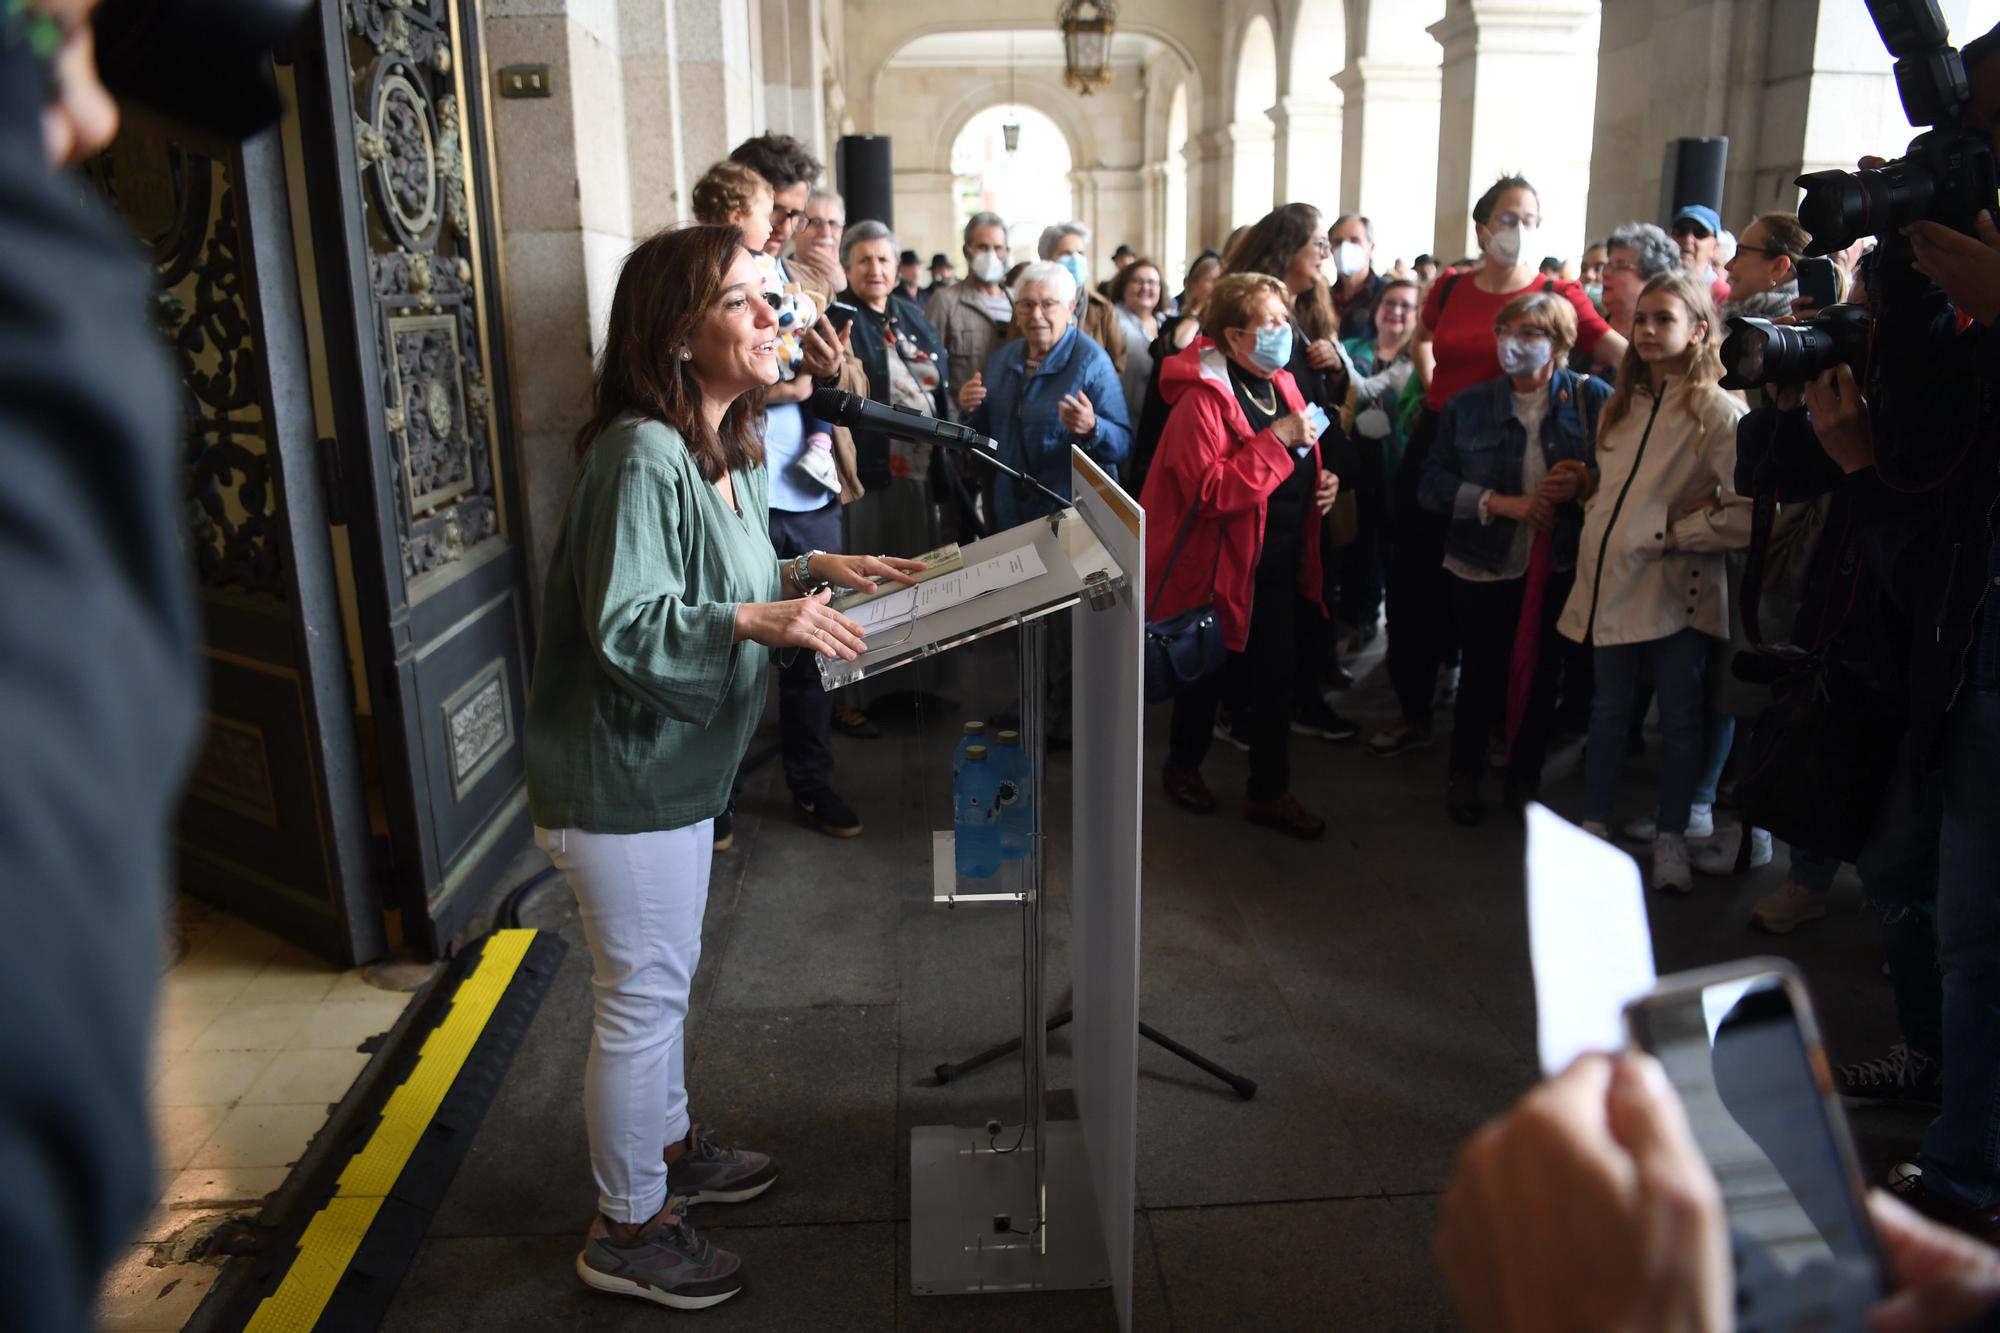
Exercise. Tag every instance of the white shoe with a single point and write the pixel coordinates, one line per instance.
(1670, 864)
(1701, 824)
(1791, 905)
(1718, 855)
(1597, 829)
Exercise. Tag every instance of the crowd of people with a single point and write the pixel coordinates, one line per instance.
(1525, 475)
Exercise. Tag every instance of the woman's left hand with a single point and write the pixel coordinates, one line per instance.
(1328, 491)
(861, 571)
(1322, 355)
(1078, 416)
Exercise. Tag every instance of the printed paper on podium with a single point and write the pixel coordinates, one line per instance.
(900, 607)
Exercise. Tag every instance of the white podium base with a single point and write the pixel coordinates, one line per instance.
(958, 1185)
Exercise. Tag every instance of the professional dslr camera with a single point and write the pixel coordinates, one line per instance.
(1948, 173)
(1756, 351)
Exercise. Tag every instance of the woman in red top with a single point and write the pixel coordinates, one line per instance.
(1455, 349)
(1238, 472)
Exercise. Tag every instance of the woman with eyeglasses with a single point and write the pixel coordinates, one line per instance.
(1511, 458)
(1764, 271)
(1455, 349)
(1372, 419)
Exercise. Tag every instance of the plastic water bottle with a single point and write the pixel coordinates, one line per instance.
(975, 734)
(1017, 809)
(975, 819)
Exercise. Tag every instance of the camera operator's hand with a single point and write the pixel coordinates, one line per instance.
(1943, 1279)
(1588, 1206)
(1785, 397)
(82, 119)
(1967, 267)
(1839, 416)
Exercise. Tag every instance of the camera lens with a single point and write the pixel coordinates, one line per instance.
(1840, 207)
(1756, 351)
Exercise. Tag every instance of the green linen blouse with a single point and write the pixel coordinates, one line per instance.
(643, 702)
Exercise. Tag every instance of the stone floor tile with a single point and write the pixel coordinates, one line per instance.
(312, 1075)
(261, 1136)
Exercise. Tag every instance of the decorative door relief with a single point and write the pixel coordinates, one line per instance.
(422, 261)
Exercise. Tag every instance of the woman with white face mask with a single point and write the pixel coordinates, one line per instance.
(1511, 459)
(1454, 350)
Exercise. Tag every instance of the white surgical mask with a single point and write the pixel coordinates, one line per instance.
(1523, 356)
(1506, 243)
(1350, 258)
(988, 267)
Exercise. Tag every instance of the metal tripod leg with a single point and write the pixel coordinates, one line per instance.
(1245, 1088)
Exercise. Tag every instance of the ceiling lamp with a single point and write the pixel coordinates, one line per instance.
(1087, 26)
(1010, 129)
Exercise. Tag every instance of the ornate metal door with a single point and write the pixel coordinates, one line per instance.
(275, 822)
(391, 96)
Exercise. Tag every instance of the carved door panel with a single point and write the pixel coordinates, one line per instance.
(393, 128)
(275, 822)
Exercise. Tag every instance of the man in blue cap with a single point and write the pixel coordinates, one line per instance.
(1695, 230)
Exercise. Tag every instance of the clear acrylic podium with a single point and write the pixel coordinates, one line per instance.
(1066, 1187)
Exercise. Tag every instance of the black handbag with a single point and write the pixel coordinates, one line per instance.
(1816, 767)
(1184, 649)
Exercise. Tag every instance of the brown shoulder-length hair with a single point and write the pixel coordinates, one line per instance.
(1702, 364)
(669, 286)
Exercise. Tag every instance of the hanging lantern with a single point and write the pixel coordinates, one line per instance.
(1087, 26)
(1010, 134)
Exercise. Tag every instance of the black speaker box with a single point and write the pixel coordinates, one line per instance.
(867, 181)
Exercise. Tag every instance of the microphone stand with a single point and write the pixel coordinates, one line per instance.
(990, 454)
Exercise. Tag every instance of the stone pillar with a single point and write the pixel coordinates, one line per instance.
(1518, 84)
(1252, 169)
(716, 91)
(1308, 152)
(566, 218)
(1388, 172)
(926, 214)
(659, 183)
(1110, 201)
(1208, 223)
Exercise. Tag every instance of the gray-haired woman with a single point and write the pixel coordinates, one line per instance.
(906, 367)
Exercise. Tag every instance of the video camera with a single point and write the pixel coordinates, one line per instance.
(1948, 173)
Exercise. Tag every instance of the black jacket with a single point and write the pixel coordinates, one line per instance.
(869, 341)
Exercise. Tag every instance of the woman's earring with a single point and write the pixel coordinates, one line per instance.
(686, 355)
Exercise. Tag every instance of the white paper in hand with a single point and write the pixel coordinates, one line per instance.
(1587, 935)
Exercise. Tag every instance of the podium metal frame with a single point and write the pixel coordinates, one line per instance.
(1016, 1209)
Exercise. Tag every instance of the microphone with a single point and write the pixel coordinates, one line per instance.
(853, 410)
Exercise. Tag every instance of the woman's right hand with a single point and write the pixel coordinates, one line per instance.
(1295, 429)
(972, 393)
(801, 622)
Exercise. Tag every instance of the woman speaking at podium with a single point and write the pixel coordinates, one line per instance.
(663, 600)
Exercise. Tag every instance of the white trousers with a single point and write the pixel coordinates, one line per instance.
(641, 897)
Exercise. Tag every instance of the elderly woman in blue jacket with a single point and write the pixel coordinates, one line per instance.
(1048, 389)
(1512, 461)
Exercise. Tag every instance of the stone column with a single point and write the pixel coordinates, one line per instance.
(1208, 200)
(1518, 86)
(716, 91)
(565, 222)
(926, 214)
(1388, 171)
(1252, 169)
(1308, 151)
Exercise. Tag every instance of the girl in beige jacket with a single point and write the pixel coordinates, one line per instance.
(1650, 582)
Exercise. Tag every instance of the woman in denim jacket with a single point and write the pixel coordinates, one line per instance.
(1511, 547)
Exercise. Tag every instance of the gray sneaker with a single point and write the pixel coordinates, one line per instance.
(670, 1264)
(711, 1173)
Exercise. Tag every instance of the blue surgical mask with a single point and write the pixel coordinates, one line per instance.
(1079, 268)
(1524, 356)
(1273, 350)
